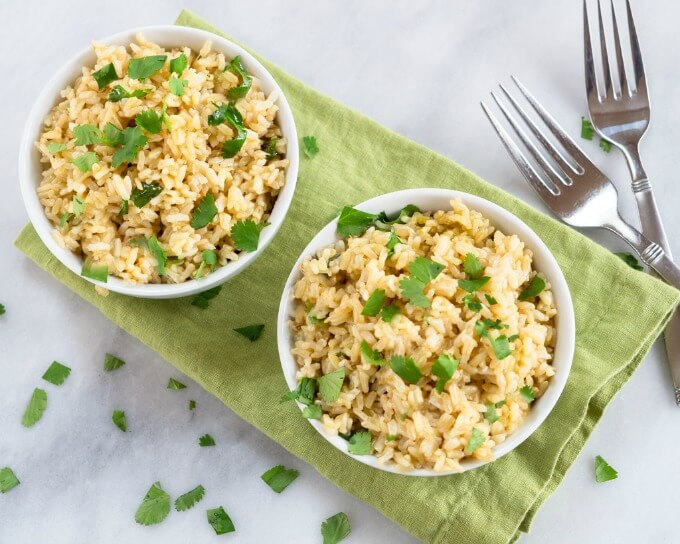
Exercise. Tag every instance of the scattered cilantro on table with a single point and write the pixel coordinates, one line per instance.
(36, 406)
(335, 528)
(155, 506)
(8, 480)
(118, 418)
(279, 477)
(630, 260)
(175, 384)
(111, 362)
(56, 373)
(192, 405)
(206, 441)
(220, 521)
(202, 299)
(251, 332)
(604, 471)
(309, 146)
(189, 499)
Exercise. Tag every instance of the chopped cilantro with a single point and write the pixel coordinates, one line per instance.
(536, 285)
(630, 260)
(36, 406)
(309, 146)
(204, 212)
(605, 145)
(353, 222)
(500, 345)
(202, 299)
(425, 270)
(587, 131)
(155, 506)
(56, 147)
(374, 303)
(179, 64)
(118, 418)
(87, 134)
(236, 66)
(369, 355)
(472, 267)
(405, 368)
(111, 362)
(315, 320)
(189, 499)
(413, 291)
(105, 75)
(85, 161)
(64, 218)
(313, 411)
(513, 337)
(143, 67)
(472, 302)
(113, 136)
(192, 405)
(389, 312)
(158, 254)
(443, 368)
(119, 92)
(251, 332)
(279, 477)
(206, 441)
(304, 393)
(150, 121)
(8, 480)
(392, 437)
(604, 471)
(220, 521)
(177, 85)
(335, 528)
(392, 243)
(78, 206)
(360, 443)
(246, 234)
(473, 285)
(2, 309)
(174, 384)
(527, 393)
(141, 197)
(270, 148)
(229, 114)
(99, 272)
(124, 208)
(56, 373)
(491, 413)
(132, 140)
(476, 439)
(490, 299)
(331, 384)
(208, 260)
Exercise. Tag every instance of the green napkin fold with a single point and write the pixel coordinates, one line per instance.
(619, 313)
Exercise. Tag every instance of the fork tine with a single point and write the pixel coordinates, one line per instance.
(562, 137)
(608, 90)
(591, 78)
(519, 159)
(623, 83)
(638, 67)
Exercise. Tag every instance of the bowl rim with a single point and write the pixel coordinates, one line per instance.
(565, 320)
(30, 168)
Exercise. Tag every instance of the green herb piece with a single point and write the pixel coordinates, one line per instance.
(413, 291)
(236, 66)
(141, 197)
(158, 254)
(179, 64)
(477, 438)
(87, 134)
(118, 418)
(353, 222)
(279, 477)
(105, 75)
(251, 332)
(472, 267)
(335, 528)
(192, 405)
(315, 320)
(605, 145)
(473, 285)
(246, 234)
(374, 303)
(513, 337)
(150, 121)
(175, 384)
(331, 384)
(392, 243)
(313, 411)
(491, 413)
(155, 506)
(443, 368)
(64, 218)
(177, 85)
(113, 136)
(36, 406)
(8, 480)
(202, 299)
(205, 212)
(99, 272)
(164, 116)
(189, 499)
(472, 302)
(587, 130)
(229, 114)
(78, 206)
(392, 437)
(389, 312)
(208, 260)
(2, 309)
(56, 147)
(309, 146)
(119, 92)
(425, 270)
(132, 140)
(124, 208)
(490, 299)
(370, 356)
(405, 368)
(206, 441)
(630, 260)
(527, 393)
(56, 373)
(85, 161)
(360, 443)
(406, 211)
(220, 521)
(270, 148)
(536, 285)
(111, 362)
(604, 471)
(500, 345)
(303, 393)
(144, 67)
(484, 324)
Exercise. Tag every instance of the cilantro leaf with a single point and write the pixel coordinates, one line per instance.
(491, 413)
(175, 384)
(209, 260)
(192, 405)
(472, 267)
(206, 440)
(179, 64)
(113, 136)
(111, 362)
(189, 499)
(315, 320)
(473, 285)
(36, 407)
(392, 243)
(604, 471)
(56, 373)
(476, 439)
(118, 418)
(587, 130)
(605, 145)
(392, 437)
(405, 368)
(119, 92)
(220, 521)
(472, 302)
(374, 303)
(630, 260)
(150, 121)
(490, 299)
(141, 197)
(303, 393)
(143, 67)
(335, 528)
(513, 337)
(331, 384)
(85, 161)
(369, 355)
(279, 477)
(229, 114)
(425, 270)
(132, 141)
(360, 443)
(158, 254)
(78, 206)
(177, 85)
(353, 222)
(56, 147)
(313, 411)
(443, 368)
(407, 211)
(270, 148)
(8, 480)
(412, 290)
(124, 208)
(2, 309)
(205, 212)
(251, 332)
(155, 506)
(389, 312)
(536, 285)
(87, 134)
(202, 299)
(527, 393)
(500, 346)
(99, 272)
(309, 146)
(246, 234)
(236, 66)
(105, 75)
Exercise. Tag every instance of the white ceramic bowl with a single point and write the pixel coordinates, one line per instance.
(167, 36)
(544, 262)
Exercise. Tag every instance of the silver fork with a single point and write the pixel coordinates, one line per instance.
(570, 184)
(622, 117)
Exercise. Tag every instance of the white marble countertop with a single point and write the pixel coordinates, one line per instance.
(418, 68)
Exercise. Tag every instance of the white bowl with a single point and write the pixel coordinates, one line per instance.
(30, 168)
(544, 262)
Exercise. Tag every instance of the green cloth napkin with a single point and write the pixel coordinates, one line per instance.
(619, 313)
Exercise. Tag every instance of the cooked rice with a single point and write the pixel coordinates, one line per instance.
(433, 429)
(185, 160)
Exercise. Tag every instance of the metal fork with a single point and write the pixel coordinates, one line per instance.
(622, 116)
(570, 184)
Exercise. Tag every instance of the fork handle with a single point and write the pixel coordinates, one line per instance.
(650, 218)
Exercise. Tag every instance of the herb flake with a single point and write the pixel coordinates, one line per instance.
(57, 373)
(279, 477)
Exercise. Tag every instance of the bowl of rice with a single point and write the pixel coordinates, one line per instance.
(159, 162)
(426, 332)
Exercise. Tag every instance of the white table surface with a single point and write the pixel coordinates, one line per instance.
(419, 68)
